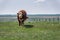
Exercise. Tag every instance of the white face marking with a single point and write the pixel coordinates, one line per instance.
(20, 15)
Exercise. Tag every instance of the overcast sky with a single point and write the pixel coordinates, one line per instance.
(31, 6)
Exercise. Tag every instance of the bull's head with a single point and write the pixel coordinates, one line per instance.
(20, 15)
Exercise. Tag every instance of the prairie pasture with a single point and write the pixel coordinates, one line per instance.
(30, 31)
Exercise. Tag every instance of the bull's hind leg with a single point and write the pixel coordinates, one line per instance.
(22, 22)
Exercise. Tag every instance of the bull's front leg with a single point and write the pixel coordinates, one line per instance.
(19, 23)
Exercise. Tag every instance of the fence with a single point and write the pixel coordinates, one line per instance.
(49, 19)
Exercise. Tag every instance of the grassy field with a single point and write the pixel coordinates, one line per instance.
(30, 31)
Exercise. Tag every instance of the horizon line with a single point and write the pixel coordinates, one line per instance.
(30, 14)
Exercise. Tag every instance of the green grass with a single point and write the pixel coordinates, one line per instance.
(31, 31)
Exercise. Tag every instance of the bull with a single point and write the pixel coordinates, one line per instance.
(21, 16)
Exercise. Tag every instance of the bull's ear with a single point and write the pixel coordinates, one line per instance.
(17, 13)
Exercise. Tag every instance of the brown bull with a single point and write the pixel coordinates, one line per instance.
(21, 16)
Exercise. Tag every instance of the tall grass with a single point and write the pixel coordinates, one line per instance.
(30, 31)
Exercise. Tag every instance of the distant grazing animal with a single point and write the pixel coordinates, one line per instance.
(21, 16)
